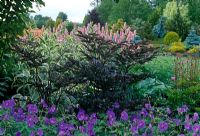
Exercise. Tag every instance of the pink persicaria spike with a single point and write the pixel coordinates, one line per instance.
(66, 32)
(102, 30)
(95, 28)
(135, 32)
(87, 28)
(138, 47)
(125, 26)
(106, 28)
(115, 37)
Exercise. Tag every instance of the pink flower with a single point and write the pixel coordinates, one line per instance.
(173, 78)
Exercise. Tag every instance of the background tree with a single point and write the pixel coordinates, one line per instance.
(129, 10)
(62, 16)
(69, 26)
(92, 16)
(194, 10)
(105, 9)
(177, 17)
(58, 21)
(13, 22)
(50, 24)
(95, 3)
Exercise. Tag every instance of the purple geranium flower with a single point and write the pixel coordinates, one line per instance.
(195, 117)
(177, 121)
(19, 115)
(6, 117)
(52, 109)
(196, 127)
(141, 124)
(187, 126)
(46, 121)
(2, 131)
(8, 104)
(32, 108)
(116, 105)
(168, 111)
(134, 129)
(44, 104)
(32, 133)
(90, 129)
(93, 118)
(40, 132)
(183, 109)
(124, 115)
(148, 106)
(66, 127)
(144, 112)
(82, 129)
(18, 133)
(81, 115)
(111, 117)
(163, 126)
(52, 121)
(31, 120)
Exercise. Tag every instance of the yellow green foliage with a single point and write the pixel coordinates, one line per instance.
(118, 26)
(177, 47)
(194, 50)
(171, 37)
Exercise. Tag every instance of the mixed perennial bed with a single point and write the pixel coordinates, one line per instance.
(41, 119)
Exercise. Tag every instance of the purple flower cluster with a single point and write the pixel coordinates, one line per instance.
(82, 116)
(182, 109)
(65, 129)
(89, 120)
(32, 108)
(124, 115)
(52, 109)
(31, 120)
(8, 104)
(50, 121)
(147, 122)
(163, 126)
(111, 117)
(19, 115)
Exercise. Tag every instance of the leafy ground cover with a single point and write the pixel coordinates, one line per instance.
(41, 119)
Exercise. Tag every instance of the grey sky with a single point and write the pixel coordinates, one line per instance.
(75, 9)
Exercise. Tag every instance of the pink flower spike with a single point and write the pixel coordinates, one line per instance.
(173, 78)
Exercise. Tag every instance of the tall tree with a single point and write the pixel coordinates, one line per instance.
(194, 10)
(105, 9)
(13, 19)
(62, 16)
(92, 16)
(129, 9)
(177, 17)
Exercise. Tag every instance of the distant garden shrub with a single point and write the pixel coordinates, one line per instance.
(192, 39)
(118, 25)
(177, 47)
(194, 50)
(159, 29)
(171, 37)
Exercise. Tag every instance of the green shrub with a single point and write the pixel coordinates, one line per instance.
(177, 47)
(194, 50)
(189, 96)
(171, 37)
(118, 25)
